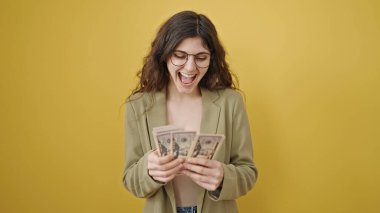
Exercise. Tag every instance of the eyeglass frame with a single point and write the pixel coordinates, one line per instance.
(187, 58)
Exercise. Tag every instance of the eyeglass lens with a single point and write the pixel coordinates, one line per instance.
(179, 58)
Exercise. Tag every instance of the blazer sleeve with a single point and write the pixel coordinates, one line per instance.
(136, 178)
(241, 173)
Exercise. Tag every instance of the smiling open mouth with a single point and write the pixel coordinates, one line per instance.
(186, 78)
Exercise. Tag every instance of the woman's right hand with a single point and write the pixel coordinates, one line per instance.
(165, 168)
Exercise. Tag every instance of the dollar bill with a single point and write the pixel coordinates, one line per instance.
(205, 145)
(167, 128)
(164, 143)
(181, 142)
(173, 140)
(163, 139)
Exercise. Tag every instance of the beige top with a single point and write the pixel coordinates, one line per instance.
(184, 111)
(185, 191)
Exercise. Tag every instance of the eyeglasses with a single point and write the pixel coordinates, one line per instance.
(179, 58)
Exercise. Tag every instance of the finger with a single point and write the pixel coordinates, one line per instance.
(167, 173)
(201, 161)
(165, 179)
(172, 164)
(199, 177)
(210, 186)
(154, 159)
(153, 155)
(198, 169)
(165, 159)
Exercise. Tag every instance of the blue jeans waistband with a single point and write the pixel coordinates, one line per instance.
(191, 209)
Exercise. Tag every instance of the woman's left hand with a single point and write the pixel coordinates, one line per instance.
(206, 173)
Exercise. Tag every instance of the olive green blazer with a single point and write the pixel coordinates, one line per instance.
(223, 112)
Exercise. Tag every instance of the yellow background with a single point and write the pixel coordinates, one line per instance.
(310, 71)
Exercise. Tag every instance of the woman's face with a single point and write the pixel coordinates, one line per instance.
(188, 64)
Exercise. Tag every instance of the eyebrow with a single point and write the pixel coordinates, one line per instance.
(191, 54)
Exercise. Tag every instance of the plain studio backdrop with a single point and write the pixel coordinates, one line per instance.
(310, 71)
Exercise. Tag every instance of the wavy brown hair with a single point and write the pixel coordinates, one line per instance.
(154, 75)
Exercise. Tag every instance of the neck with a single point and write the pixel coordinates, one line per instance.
(173, 94)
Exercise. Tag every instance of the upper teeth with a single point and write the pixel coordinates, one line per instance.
(187, 75)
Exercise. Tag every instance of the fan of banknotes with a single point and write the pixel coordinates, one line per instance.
(180, 143)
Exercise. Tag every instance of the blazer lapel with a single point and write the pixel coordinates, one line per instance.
(209, 124)
(210, 112)
(156, 115)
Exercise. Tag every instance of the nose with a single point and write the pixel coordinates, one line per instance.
(190, 63)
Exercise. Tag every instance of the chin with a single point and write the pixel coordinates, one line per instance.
(184, 89)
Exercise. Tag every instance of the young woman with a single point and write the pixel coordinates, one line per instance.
(186, 82)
